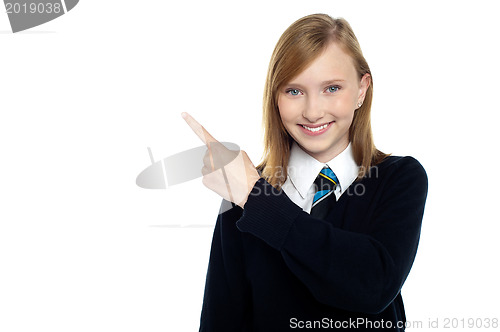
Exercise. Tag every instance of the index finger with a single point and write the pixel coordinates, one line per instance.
(198, 129)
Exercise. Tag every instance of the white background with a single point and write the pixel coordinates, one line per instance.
(82, 248)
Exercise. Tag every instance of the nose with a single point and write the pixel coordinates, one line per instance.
(313, 109)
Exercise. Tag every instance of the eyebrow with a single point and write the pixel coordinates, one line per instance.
(322, 83)
(332, 81)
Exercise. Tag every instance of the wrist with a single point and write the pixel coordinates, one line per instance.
(250, 185)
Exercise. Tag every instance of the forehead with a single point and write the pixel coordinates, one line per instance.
(332, 64)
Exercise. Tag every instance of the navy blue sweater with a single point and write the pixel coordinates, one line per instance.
(273, 267)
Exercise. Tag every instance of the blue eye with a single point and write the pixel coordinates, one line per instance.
(293, 92)
(333, 88)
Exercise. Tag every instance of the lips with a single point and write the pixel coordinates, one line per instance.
(317, 129)
(316, 125)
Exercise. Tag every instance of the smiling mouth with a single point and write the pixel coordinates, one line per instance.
(317, 127)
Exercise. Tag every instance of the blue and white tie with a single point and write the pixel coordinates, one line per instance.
(324, 197)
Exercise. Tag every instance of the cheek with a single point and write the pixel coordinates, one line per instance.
(284, 109)
(289, 109)
(343, 107)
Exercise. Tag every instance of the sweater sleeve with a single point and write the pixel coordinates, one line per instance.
(354, 271)
(226, 302)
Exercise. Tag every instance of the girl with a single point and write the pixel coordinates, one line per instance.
(326, 227)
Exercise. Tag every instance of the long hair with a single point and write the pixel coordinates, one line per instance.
(298, 47)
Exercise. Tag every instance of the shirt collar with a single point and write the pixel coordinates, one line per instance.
(303, 169)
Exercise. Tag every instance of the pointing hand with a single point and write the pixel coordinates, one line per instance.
(230, 174)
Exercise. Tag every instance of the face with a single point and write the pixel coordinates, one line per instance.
(318, 105)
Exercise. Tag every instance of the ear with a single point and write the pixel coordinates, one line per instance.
(363, 87)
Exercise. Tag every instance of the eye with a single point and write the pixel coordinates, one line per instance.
(293, 92)
(333, 88)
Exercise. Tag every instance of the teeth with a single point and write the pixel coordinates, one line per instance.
(316, 129)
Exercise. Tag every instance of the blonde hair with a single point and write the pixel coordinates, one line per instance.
(300, 45)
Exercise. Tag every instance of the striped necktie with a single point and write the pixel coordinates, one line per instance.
(324, 197)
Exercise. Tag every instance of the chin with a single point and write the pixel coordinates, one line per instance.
(313, 148)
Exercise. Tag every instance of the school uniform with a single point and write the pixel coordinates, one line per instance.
(274, 267)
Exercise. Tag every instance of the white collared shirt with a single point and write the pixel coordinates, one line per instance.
(303, 170)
